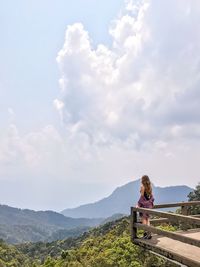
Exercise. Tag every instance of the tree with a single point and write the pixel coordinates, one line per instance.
(195, 196)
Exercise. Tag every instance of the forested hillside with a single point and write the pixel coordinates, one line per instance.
(105, 246)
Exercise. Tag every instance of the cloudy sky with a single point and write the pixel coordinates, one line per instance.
(94, 94)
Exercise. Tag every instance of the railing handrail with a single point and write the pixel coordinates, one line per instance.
(171, 216)
(177, 204)
(167, 215)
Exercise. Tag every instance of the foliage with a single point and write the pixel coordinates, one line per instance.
(195, 196)
(168, 227)
(106, 246)
(11, 257)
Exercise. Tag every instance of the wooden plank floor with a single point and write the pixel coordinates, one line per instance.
(186, 254)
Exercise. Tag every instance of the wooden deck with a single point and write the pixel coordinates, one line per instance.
(186, 254)
(181, 246)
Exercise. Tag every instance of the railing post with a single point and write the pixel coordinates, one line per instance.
(184, 211)
(133, 221)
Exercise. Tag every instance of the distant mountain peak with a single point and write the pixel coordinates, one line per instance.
(120, 200)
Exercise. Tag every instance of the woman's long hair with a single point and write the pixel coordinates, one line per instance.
(147, 185)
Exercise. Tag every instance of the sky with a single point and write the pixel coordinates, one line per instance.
(94, 94)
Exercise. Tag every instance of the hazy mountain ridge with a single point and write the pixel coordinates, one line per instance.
(22, 225)
(16, 216)
(125, 196)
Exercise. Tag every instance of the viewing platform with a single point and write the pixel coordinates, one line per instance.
(182, 246)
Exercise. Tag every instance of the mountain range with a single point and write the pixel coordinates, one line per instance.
(22, 225)
(124, 197)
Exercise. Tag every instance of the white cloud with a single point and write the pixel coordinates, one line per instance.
(58, 104)
(142, 93)
(146, 83)
(31, 150)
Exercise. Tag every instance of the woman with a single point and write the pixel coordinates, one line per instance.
(146, 201)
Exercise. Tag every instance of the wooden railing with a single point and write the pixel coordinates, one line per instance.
(183, 218)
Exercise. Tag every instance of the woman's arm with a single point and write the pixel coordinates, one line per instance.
(141, 199)
(142, 190)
